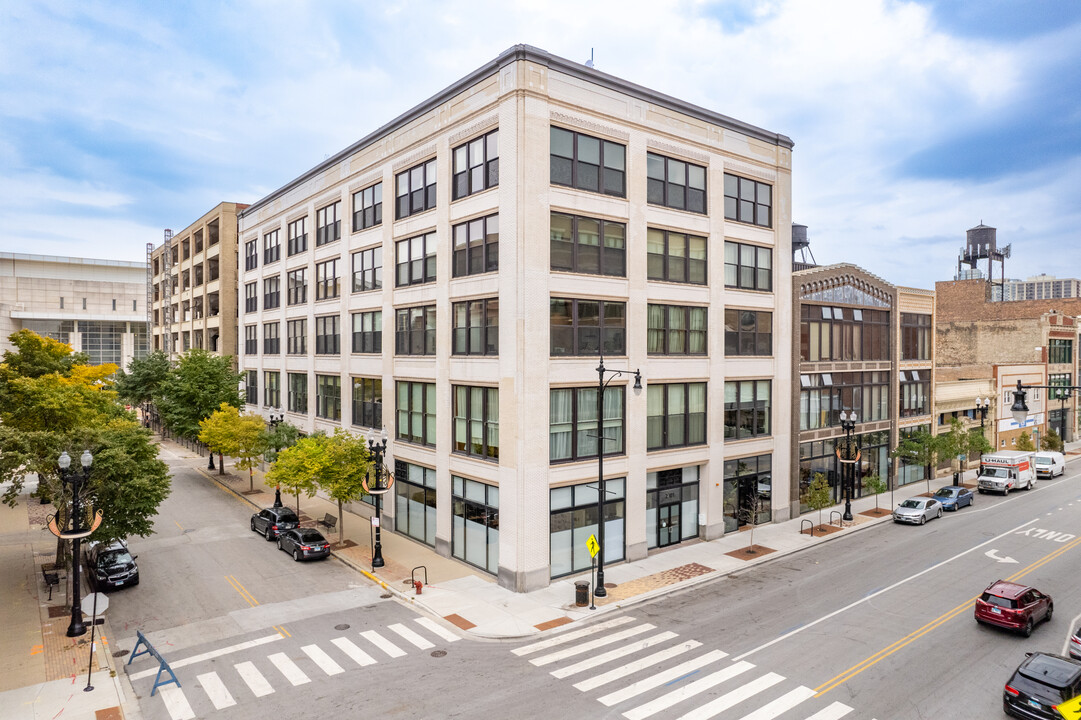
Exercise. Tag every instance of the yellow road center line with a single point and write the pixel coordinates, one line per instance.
(282, 631)
(241, 590)
(178, 525)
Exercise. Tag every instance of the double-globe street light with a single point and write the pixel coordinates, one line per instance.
(1019, 409)
(273, 421)
(376, 452)
(982, 406)
(848, 424)
(75, 478)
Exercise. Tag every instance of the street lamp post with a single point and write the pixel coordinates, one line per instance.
(376, 451)
(982, 405)
(848, 424)
(1064, 395)
(274, 420)
(599, 590)
(75, 479)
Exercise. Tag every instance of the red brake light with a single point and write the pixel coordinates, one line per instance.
(273, 527)
(1012, 691)
(305, 547)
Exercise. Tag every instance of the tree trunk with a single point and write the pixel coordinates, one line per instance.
(341, 528)
(221, 464)
(298, 501)
(251, 480)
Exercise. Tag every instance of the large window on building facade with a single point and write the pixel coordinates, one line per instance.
(675, 183)
(843, 334)
(588, 327)
(251, 387)
(415, 261)
(368, 207)
(328, 397)
(1059, 351)
(824, 395)
(675, 257)
(296, 282)
(572, 417)
(272, 391)
(574, 518)
(748, 201)
(476, 246)
(676, 330)
(748, 486)
(587, 245)
(671, 506)
(297, 337)
(748, 267)
(272, 247)
(1061, 379)
(272, 292)
(476, 165)
(476, 327)
(747, 409)
(368, 332)
(327, 283)
(368, 402)
(476, 523)
(675, 415)
(415, 500)
(416, 412)
(915, 392)
(251, 297)
(588, 163)
(251, 339)
(272, 338)
(328, 226)
(328, 335)
(915, 336)
(298, 236)
(414, 331)
(748, 332)
(476, 421)
(415, 189)
(298, 393)
(251, 254)
(368, 269)
(820, 456)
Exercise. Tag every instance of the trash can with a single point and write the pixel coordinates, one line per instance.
(581, 593)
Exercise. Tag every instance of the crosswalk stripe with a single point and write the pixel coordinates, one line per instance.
(834, 712)
(215, 690)
(687, 691)
(786, 702)
(635, 666)
(176, 703)
(177, 664)
(288, 668)
(573, 635)
(438, 629)
(411, 636)
(718, 705)
(611, 655)
(324, 661)
(254, 679)
(592, 645)
(637, 688)
(350, 648)
(382, 643)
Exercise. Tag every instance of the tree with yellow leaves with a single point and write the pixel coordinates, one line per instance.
(244, 437)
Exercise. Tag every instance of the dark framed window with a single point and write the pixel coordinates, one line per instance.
(368, 207)
(251, 339)
(298, 393)
(748, 332)
(915, 393)
(675, 415)
(328, 397)
(415, 189)
(572, 431)
(586, 327)
(671, 506)
(298, 236)
(415, 261)
(368, 402)
(414, 331)
(475, 536)
(327, 223)
(476, 165)
(1062, 379)
(748, 201)
(272, 391)
(676, 330)
(328, 335)
(748, 486)
(476, 327)
(747, 409)
(587, 245)
(587, 163)
(675, 183)
(251, 254)
(368, 332)
(573, 518)
(823, 395)
(272, 292)
(675, 257)
(272, 247)
(296, 337)
(416, 412)
(272, 338)
(748, 267)
(251, 387)
(476, 246)
(843, 334)
(327, 283)
(296, 284)
(415, 501)
(1058, 351)
(251, 297)
(476, 421)
(916, 337)
(368, 269)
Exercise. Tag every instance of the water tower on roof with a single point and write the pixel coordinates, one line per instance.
(801, 246)
(981, 244)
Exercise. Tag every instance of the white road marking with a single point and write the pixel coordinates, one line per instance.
(603, 658)
(637, 688)
(786, 702)
(438, 629)
(288, 668)
(592, 645)
(687, 691)
(836, 711)
(254, 679)
(633, 667)
(411, 636)
(176, 703)
(324, 661)
(208, 655)
(349, 648)
(574, 635)
(382, 643)
(215, 690)
(718, 705)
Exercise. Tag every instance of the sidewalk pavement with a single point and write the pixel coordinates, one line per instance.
(475, 603)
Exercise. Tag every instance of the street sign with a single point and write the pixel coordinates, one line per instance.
(102, 601)
(375, 522)
(1071, 709)
(593, 545)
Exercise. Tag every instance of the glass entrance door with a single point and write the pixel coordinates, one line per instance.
(668, 525)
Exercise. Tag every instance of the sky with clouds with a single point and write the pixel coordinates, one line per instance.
(912, 121)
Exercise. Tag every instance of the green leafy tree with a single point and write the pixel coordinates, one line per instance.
(219, 432)
(35, 355)
(298, 468)
(58, 403)
(343, 477)
(1024, 442)
(874, 484)
(919, 448)
(1051, 441)
(279, 437)
(818, 495)
(143, 379)
(25, 452)
(196, 387)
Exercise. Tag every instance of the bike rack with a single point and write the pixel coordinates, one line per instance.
(810, 526)
(840, 521)
(417, 585)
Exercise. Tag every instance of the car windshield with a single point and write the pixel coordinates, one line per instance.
(946, 493)
(1043, 461)
(994, 472)
(115, 557)
(912, 504)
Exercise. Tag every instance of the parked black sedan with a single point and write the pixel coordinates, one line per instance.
(110, 565)
(304, 544)
(270, 522)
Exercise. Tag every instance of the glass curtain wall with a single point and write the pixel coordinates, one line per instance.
(476, 523)
(574, 519)
(415, 495)
(671, 506)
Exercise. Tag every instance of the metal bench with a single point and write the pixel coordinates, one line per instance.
(52, 578)
(329, 521)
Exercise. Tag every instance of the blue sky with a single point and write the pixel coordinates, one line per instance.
(913, 121)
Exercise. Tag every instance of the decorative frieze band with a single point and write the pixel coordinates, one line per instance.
(414, 158)
(474, 129)
(677, 150)
(584, 124)
(746, 169)
(365, 180)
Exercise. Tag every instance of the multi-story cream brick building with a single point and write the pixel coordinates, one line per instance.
(536, 214)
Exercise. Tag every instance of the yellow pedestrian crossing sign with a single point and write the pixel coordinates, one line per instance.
(1071, 709)
(593, 545)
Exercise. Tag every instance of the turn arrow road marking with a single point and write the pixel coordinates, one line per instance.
(994, 556)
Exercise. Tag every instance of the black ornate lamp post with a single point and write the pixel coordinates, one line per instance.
(1064, 395)
(376, 452)
(982, 406)
(273, 421)
(848, 424)
(75, 479)
(600, 591)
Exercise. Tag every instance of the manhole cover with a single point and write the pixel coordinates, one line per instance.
(439, 653)
(121, 653)
(385, 596)
(609, 585)
(343, 626)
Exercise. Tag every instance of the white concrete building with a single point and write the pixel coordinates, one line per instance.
(537, 212)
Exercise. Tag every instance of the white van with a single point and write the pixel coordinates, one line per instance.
(1049, 464)
(1005, 471)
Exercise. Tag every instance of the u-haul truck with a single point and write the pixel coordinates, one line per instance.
(1005, 471)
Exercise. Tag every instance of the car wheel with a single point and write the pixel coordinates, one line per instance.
(296, 556)
(1028, 628)
(269, 534)
(280, 544)
(939, 512)
(1050, 612)
(253, 525)
(980, 491)
(923, 519)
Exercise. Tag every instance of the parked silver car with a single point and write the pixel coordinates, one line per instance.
(917, 510)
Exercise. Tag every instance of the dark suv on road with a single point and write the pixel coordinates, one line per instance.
(1040, 683)
(270, 522)
(110, 565)
(1013, 606)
